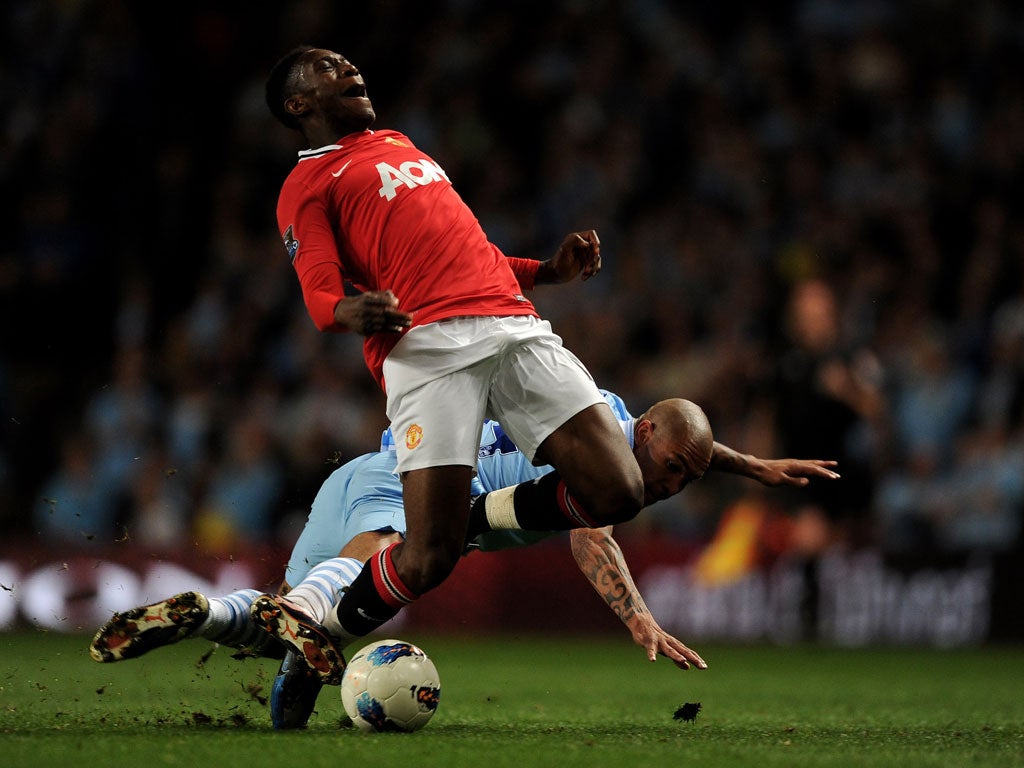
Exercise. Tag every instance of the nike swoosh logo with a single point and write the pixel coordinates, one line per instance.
(341, 170)
(360, 611)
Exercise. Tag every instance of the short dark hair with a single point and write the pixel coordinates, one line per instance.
(279, 85)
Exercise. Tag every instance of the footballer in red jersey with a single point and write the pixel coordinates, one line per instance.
(375, 211)
(449, 337)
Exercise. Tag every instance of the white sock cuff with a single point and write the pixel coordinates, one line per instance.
(501, 510)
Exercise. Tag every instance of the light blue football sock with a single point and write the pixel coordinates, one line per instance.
(322, 587)
(229, 624)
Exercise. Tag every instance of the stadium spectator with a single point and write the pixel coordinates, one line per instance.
(828, 402)
(827, 393)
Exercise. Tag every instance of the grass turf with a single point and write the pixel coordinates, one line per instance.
(525, 702)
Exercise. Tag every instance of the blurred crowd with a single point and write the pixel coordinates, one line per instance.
(811, 215)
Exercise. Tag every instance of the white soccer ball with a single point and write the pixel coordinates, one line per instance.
(390, 685)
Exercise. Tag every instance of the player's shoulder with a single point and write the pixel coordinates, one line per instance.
(311, 158)
(307, 173)
(617, 404)
(393, 137)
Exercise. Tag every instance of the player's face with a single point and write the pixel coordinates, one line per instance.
(667, 465)
(336, 88)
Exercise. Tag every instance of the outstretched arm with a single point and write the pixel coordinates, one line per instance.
(772, 472)
(599, 557)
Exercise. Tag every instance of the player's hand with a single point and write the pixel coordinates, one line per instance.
(657, 641)
(579, 254)
(794, 472)
(372, 312)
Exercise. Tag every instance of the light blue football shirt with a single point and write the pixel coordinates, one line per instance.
(366, 495)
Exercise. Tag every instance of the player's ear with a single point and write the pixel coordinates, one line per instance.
(297, 106)
(643, 430)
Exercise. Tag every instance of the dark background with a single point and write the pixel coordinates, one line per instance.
(159, 377)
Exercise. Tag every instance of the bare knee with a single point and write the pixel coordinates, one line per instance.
(618, 500)
(423, 568)
(595, 461)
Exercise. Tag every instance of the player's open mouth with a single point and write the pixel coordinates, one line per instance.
(356, 91)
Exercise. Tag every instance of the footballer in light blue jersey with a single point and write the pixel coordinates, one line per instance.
(362, 501)
(366, 495)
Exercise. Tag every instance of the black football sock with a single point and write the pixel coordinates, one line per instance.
(543, 504)
(376, 596)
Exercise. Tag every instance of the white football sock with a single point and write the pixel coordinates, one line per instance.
(228, 622)
(322, 588)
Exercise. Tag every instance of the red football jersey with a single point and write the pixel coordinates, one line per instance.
(375, 211)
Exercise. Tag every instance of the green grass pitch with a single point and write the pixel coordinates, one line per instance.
(524, 702)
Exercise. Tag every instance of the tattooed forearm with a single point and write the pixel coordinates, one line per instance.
(603, 565)
(612, 588)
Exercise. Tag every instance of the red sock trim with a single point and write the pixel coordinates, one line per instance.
(385, 578)
(572, 509)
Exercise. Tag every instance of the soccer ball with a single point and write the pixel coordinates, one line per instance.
(390, 685)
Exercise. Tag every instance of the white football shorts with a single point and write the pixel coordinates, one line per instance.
(443, 379)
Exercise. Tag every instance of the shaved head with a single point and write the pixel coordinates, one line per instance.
(673, 444)
(684, 421)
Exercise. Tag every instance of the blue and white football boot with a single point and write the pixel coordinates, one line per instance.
(293, 695)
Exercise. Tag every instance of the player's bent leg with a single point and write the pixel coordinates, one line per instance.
(293, 695)
(597, 482)
(302, 634)
(436, 515)
(436, 501)
(140, 630)
(596, 465)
